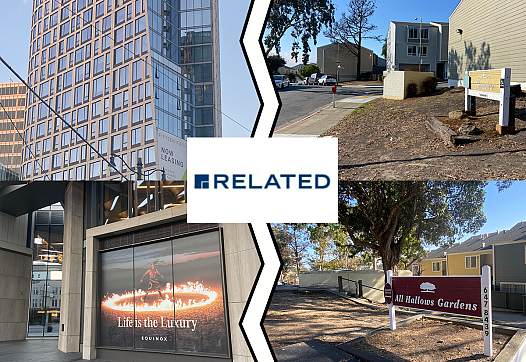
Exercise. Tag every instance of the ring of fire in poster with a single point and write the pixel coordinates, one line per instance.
(125, 302)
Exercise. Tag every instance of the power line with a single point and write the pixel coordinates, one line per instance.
(58, 115)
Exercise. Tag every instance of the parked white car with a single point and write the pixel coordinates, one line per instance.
(281, 81)
(327, 80)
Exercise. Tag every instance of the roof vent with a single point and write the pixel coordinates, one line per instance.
(445, 252)
(483, 245)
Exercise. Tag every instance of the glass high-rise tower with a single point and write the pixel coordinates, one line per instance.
(135, 78)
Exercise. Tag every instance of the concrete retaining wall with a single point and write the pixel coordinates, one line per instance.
(396, 82)
(329, 279)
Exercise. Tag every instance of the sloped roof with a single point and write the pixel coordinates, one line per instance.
(483, 241)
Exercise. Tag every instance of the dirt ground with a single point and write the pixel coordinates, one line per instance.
(295, 317)
(388, 140)
(429, 340)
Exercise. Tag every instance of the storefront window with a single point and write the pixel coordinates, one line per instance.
(46, 283)
(166, 296)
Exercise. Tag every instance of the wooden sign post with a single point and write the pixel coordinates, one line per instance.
(458, 295)
(491, 84)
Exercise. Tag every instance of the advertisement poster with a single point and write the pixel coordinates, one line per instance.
(171, 155)
(165, 296)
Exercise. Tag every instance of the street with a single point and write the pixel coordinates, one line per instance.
(299, 101)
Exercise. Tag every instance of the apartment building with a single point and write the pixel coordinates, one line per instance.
(403, 47)
(133, 78)
(12, 109)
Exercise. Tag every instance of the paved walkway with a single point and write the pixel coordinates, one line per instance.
(36, 350)
(324, 118)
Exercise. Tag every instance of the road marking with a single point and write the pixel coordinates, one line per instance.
(281, 129)
(370, 95)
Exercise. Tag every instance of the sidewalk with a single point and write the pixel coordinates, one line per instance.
(323, 119)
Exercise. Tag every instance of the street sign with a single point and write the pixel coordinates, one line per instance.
(491, 84)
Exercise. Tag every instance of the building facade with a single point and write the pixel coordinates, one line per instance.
(330, 55)
(115, 271)
(12, 109)
(475, 45)
(403, 44)
(134, 78)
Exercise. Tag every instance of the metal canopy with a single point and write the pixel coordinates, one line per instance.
(20, 198)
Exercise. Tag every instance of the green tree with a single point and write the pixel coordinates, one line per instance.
(283, 239)
(304, 18)
(384, 49)
(388, 216)
(294, 236)
(327, 241)
(309, 70)
(275, 62)
(351, 29)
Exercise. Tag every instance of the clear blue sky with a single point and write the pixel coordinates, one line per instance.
(387, 11)
(239, 98)
(503, 209)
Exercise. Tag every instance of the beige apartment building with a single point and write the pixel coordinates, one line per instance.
(330, 55)
(134, 78)
(487, 35)
(12, 108)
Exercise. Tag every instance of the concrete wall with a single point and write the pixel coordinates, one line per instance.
(329, 279)
(396, 82)
(15, 277)
(241, 267)
(492, 38)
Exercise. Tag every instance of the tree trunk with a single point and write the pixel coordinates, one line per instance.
(359, 60)
(390, 261)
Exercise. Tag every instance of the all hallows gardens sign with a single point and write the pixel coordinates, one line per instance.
(456, 295)
(459, 295)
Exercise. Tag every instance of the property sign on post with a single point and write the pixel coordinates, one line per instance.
(491, 84)
(460, 295)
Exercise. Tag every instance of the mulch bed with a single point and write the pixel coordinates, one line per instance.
(430, 340)
(388, 140)
(295, 317)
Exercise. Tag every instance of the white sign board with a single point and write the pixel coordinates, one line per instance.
(171, 153)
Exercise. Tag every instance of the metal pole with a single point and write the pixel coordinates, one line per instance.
(333, 100)
(392, 320)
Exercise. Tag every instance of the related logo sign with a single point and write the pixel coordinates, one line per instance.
(202, 181)
(456, 295)
(240, 180)
(244, 181)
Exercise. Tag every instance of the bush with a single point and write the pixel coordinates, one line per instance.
(412, 90)
(381, 77)
(430, 84)
(365, 76)
(291, 76)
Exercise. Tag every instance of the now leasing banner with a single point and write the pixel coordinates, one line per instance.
(238, 180)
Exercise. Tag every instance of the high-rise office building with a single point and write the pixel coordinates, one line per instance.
(135, 78)
(12, 107)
